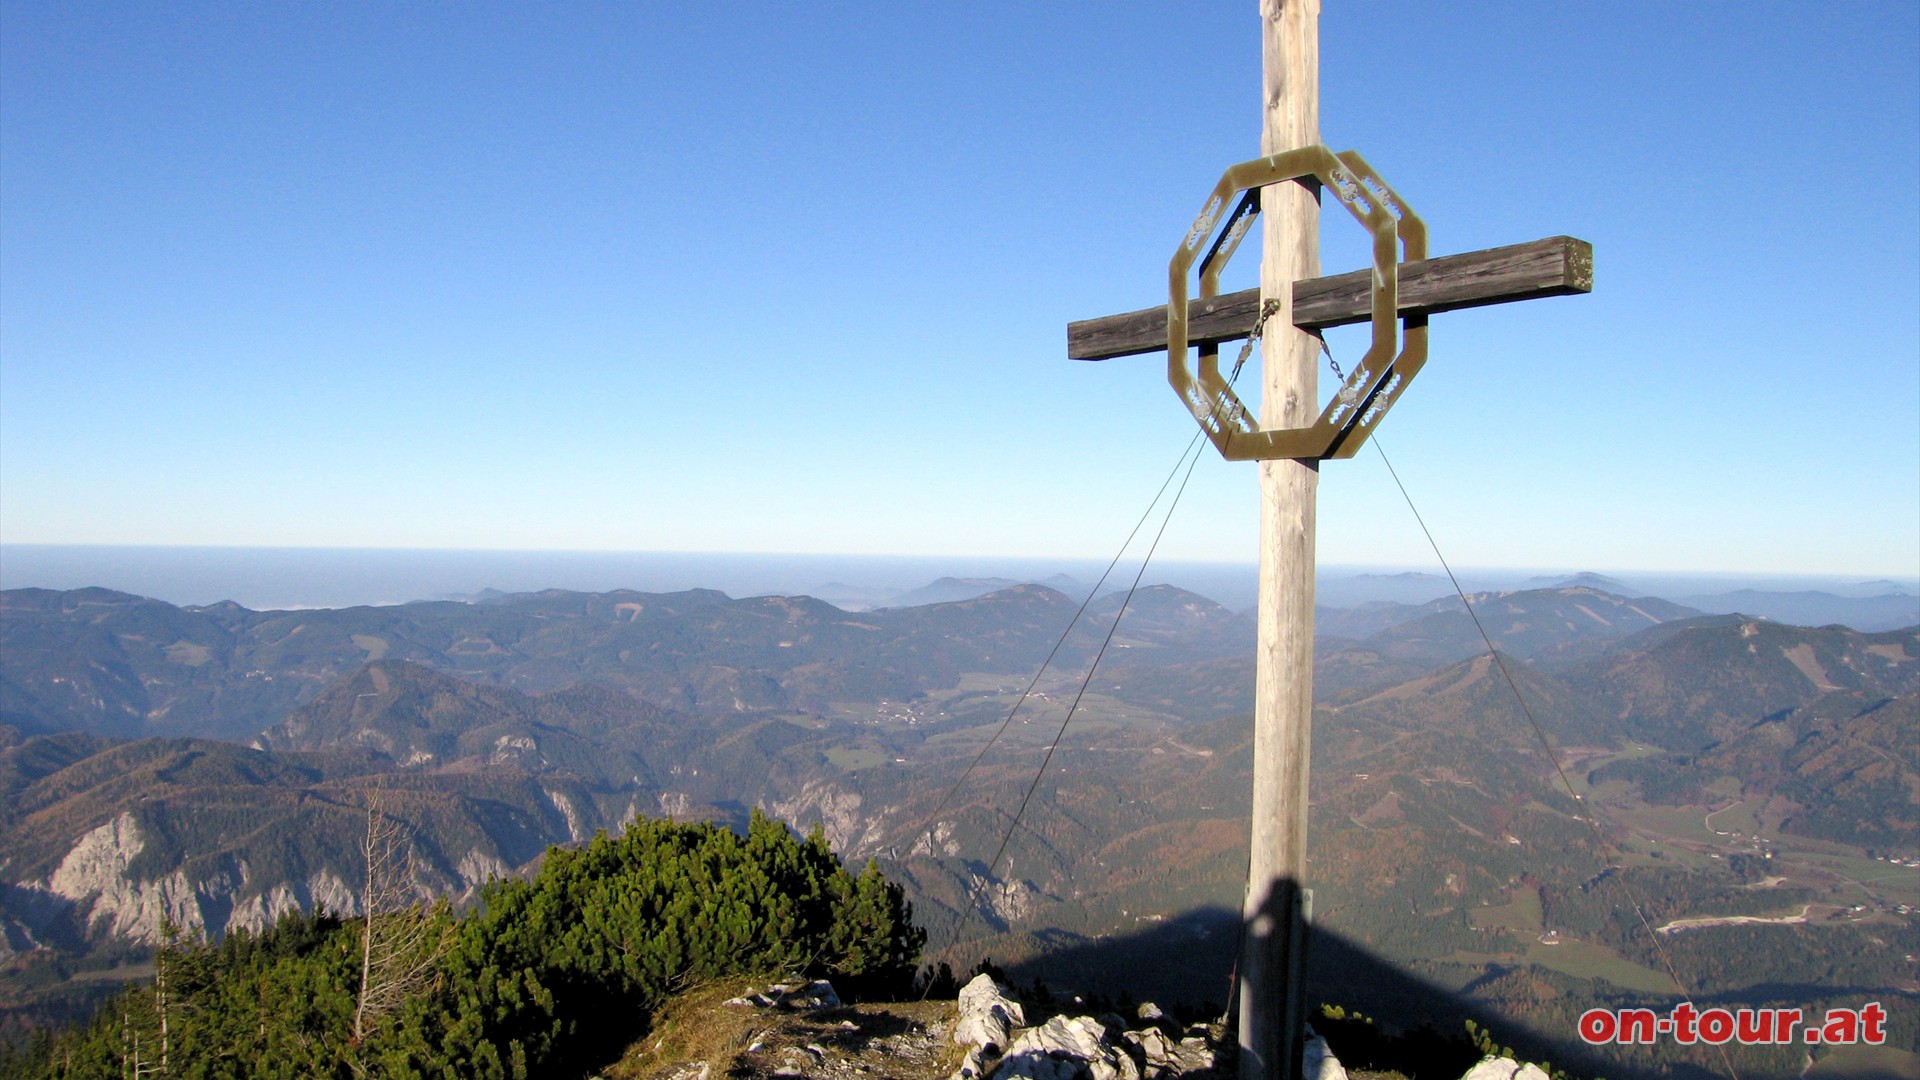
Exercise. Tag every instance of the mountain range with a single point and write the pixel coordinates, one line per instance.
(1444, 838)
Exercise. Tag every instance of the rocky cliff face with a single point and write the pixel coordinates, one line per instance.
(94, 875)
(98, 884)
(854, 833)
(95, 878)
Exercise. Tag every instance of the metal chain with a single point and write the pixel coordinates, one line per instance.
(1267, 311)
(1331, 362)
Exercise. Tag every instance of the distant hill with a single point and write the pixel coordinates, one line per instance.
(1688, 685)
(949, 589)
(1586, 579)
(1180, 648)
(1525, 624)
(941, 591)
(1842, 768)
(1166, 620)
(628, 751)
(1851, 777)
(852, 597)
(128, 667)
(1353, 590)
(1392, 644)
(1891, 610)
(125, 666)
(413, 715)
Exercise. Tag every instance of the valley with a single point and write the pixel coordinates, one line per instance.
(1753, 781)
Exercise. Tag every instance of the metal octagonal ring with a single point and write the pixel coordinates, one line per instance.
(1379, 377)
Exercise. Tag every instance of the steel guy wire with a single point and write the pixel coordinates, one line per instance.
(1583, 807)
(970, 902)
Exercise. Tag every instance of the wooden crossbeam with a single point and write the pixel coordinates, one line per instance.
(1555, 266)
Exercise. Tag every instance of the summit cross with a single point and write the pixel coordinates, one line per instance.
(1298, 303)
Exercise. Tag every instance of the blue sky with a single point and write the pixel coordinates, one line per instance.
(794, 278)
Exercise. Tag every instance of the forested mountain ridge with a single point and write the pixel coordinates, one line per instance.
(1524, 624)
(121, 665)
(1688, 684)
(1442, 837)
(115, 664)
(499, 773)
(1842, 768)
(108, 837)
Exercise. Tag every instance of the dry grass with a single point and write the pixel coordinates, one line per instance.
(695, 1035)
(693, 1028)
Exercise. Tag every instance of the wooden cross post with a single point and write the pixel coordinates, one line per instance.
(1299, 304)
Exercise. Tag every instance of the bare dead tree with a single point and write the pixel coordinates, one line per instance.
(401, 941)
(180, 954)
(146, 1020)
(133, 1065)
(160, 1003)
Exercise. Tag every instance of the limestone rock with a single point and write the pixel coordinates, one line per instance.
(988, 1014)
(1041, 1067)
(1155, 1048)
(1161, 1056)
(1066, 1048)
(1063, 1036)
(1497, 1068)
(1317, 1061)
(1069, 1047)
(1115, 1065)
(818, 994)
(973, 1066)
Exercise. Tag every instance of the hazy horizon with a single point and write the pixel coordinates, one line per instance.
(266, 578)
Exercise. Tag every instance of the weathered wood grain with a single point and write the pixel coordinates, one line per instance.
(1273, 983)
(1555, 266)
